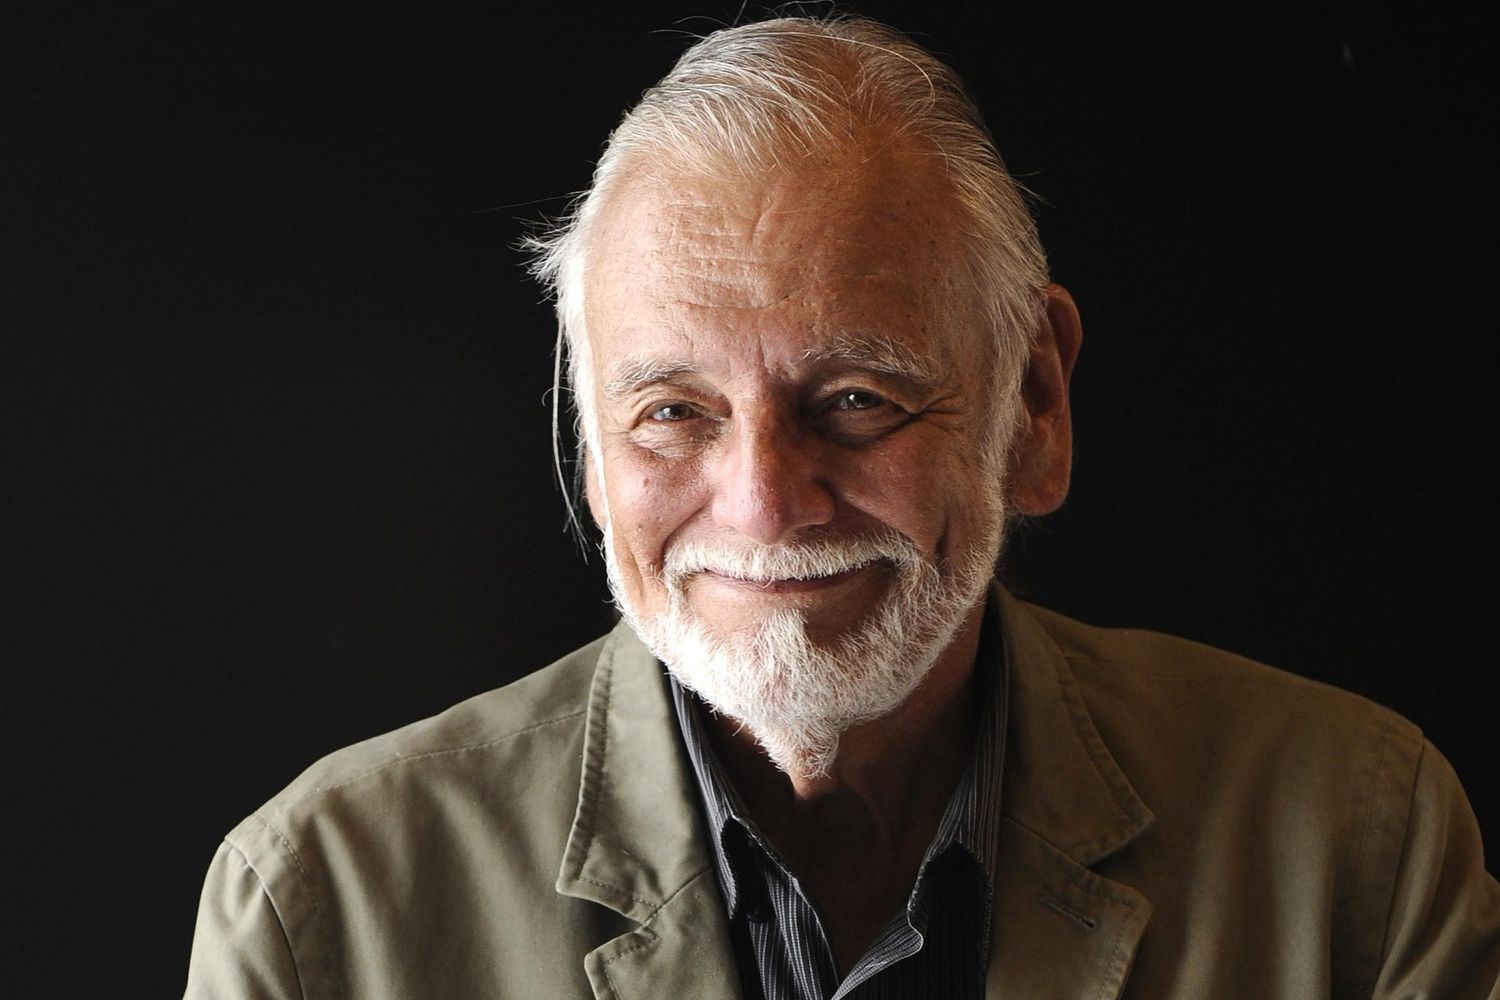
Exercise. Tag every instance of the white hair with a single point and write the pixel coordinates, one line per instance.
(759, 95)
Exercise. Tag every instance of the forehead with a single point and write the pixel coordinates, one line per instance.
(696, 263)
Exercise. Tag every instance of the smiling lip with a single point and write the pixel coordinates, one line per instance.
(787, 586)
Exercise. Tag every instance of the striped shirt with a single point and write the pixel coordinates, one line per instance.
(937, 946)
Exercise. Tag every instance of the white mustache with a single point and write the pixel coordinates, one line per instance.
(808, 560)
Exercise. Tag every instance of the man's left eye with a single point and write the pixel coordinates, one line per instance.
(856, 399)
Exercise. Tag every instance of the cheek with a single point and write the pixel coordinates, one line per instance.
(649, 500)
(923, 490)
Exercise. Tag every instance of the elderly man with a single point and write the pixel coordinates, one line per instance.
(818, 369)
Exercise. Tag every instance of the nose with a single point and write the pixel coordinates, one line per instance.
(771, 482)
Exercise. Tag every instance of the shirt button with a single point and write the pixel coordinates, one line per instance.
(757, 912)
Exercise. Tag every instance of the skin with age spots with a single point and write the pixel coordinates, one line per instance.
(792, 354)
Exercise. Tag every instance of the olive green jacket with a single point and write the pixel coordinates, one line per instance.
(544, 840)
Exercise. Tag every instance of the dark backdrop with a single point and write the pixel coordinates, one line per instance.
(283, 462)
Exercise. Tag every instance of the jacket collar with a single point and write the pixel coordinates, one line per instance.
(1061, 783)
(637, 843)
(1059, 931)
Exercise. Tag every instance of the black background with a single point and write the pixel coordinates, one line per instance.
(281, 443)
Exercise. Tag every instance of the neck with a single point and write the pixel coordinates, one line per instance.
(891, 779)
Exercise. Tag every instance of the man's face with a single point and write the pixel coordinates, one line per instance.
(794, 430)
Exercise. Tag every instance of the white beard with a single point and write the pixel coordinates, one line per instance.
(795, 696)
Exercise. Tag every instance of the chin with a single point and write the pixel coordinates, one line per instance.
(795, 690)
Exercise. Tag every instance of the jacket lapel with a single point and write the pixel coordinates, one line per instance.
(1059, 930)
(637, 843)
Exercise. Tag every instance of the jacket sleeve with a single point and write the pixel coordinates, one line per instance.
(240, 949)
(1442, 937)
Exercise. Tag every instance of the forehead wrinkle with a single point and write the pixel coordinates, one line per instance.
(695, 220)
(703, 281)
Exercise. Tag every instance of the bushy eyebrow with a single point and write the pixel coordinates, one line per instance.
(879, 354)
(633, 375)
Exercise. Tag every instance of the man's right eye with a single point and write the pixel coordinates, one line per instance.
(671, 412)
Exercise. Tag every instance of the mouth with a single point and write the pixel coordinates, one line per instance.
(786, 585)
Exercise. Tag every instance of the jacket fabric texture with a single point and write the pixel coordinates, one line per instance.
(1177, 823)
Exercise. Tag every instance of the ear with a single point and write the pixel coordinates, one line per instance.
(1042, 456)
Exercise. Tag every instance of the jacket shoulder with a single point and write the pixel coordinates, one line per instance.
(428, 841)
(1141, 667)
(555, 697)
(1290, 810)
(1211, 741)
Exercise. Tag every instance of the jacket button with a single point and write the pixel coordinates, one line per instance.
(757, 912)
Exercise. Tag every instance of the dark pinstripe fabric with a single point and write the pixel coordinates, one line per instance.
(935, 947)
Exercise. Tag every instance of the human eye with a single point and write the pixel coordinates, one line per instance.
(856, 399)
(670, 425)
(670, 413)
(857, 413)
